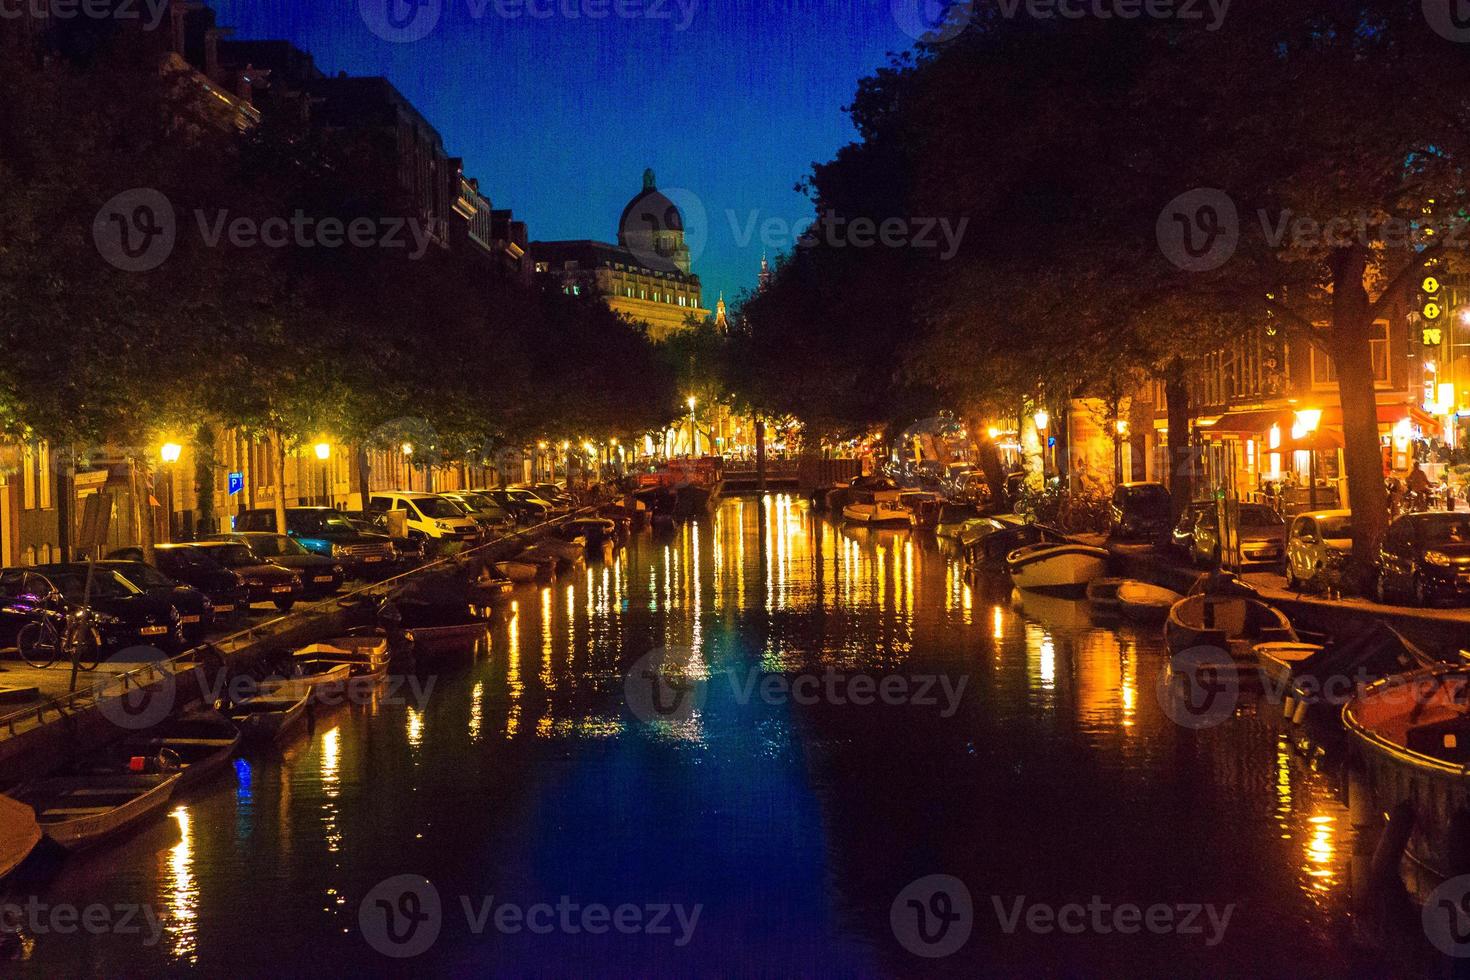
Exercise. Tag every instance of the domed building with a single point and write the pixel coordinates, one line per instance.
(645, 276)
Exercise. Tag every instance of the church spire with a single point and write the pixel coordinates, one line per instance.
(765, 279)
(721, 323)
(648, 181)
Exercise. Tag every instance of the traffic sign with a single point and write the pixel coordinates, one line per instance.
(237, 483)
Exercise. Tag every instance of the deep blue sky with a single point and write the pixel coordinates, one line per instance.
(558, 117)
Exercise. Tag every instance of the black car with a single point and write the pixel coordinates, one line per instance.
(264, 581)
(123, 614)
(1140, 511)
(226, 590)
(320, 577)
(1181, 539)
(1426, 558)
(523, 506)
(329, 533)
(407, 552)
(196, 611)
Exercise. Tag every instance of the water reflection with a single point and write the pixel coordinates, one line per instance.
(1056, 775)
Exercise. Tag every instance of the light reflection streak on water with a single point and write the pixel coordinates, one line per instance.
(331, 787)
(414, 728)
(477, 710)
(547, 681)
(181, 892)
(696, 640)
(513, 685)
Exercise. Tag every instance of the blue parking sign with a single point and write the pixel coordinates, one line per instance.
(237, 483)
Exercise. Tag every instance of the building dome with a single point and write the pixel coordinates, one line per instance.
(652, 227)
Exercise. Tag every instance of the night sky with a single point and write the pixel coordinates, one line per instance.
(559, 116)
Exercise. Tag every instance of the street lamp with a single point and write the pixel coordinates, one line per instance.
(170, 453)
(324, 453)
(691, 401)
(1307, 420)
(407, 450)
(1042, 420)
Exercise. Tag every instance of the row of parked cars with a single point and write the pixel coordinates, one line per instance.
(1424, 558)
(193, 586)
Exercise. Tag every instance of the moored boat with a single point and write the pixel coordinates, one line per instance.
(367, 656)
(79, 811)
(1321, 677)
(1103, 594)
(1059, 565)
(270, 718)
(877, 514)
(1145, 603)
(201, 741)
(1412, 732)
(320, 681)
(519, 572)
(19, 834)
(1232, 623)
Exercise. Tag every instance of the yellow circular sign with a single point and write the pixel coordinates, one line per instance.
(1431, 284)
(1432, 311)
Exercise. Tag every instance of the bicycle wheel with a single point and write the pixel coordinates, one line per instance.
(39, 644)
(88, 649)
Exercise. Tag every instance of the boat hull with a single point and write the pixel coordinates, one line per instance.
(1056, 566)
(19, 834)
(1231, 623)
(1145, 603)
(81, 811)
(877, 515)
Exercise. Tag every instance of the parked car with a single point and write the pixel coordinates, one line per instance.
(407, 552)
(1181, 539)
(226, 590)
(320, 577)
(429, 516)
(329, 533)
(1140, 511)
(487, 513)
(1262, 537)
(556, 502)
(264, 582)
(196, 611)
(1426, 558)
(553, 493)
(122, 614)
(524, 507)
(1319, 541)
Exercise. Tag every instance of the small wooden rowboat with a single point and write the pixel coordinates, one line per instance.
(876, 514)
(1144, 602)
(79, 811)
(1047, 565)
(201, 741)
(366, 656)
(1413, 735)
(518, 571)
(19, 834)
(1225, 622)
(270, 718)
(320, 681)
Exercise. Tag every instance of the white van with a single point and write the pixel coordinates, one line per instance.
(427, 515)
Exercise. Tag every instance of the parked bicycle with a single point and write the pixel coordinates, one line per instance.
(68, 635)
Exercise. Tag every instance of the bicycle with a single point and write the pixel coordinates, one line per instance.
(42, 643)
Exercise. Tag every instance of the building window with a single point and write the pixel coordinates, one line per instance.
(1324, 372)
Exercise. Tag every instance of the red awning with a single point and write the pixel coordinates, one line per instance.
(1387, 415)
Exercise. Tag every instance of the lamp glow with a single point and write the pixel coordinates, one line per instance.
(323, 451)
(407, 448)
(1122, 427)
(1042, 420)
(171, 452)
(691, 402)
(1307, 420)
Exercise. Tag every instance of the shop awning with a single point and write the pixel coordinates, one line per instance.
(1387, 415)
(1323, 440)
(1249, 423)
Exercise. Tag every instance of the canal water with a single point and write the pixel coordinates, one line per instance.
(867, 717)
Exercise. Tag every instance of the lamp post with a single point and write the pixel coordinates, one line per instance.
(693, 428)
(1120, 430)
(407, 450)
(170, 453)
(1307, 420)
(1042, 420)
(324, 453)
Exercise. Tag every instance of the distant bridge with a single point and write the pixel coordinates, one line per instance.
(803, 475)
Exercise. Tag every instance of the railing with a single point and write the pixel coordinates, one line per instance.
(75, 701)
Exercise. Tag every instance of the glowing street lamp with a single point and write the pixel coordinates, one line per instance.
(1307, 420)
(171, 452)
(323, 451)
(1042, 420)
